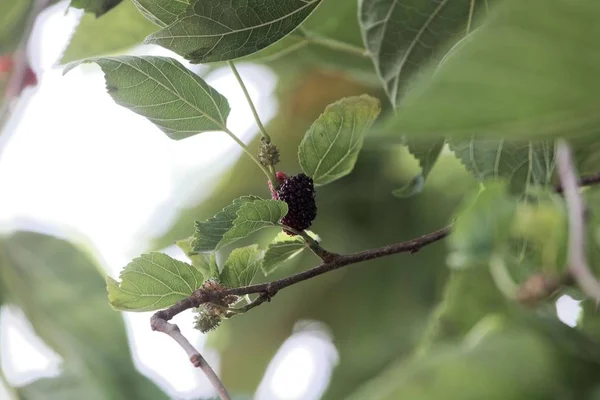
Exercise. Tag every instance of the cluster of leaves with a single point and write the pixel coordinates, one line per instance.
(328, 152)
(183, 104)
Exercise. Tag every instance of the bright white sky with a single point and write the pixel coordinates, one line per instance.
(75, 159)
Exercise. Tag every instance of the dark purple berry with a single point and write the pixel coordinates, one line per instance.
(298, 192)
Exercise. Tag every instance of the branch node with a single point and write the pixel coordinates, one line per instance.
(196, 360)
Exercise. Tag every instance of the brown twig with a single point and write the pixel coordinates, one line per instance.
(411, 246)
(578, 266)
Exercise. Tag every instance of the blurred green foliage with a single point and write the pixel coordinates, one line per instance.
(405, 327)
(61, 291)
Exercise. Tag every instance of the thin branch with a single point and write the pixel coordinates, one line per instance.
(578, 266)
(160, 325)
(583, 181)
(270, 176)
(263, 131)
(410, 246)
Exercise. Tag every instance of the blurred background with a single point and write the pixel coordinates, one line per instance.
(87, 186)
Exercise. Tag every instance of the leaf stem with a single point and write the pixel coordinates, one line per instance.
(334, 44)
(269, 174)
(261, 127)
(316, 248)
(471, 10)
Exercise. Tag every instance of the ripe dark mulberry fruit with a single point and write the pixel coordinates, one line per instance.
(298, 192)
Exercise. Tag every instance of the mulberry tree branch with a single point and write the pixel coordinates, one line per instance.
(160, 325)
(339, 261)
(333, 261)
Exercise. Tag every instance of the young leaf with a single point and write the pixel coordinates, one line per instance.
(120, 29)
(161, 12)
(98, 7)
(280, 250)
(215, 30)
(241, 266)
(427, 153)
(175, 99)
(521, 163)
(202, 261)
(402, 35)
(151, 282)
(523, 74)
(482, 227)
(330, 148)
(252, 217)
(210, 232)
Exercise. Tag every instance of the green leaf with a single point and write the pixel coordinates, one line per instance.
(202, 261)
(482, 227)
(98, 7)
(161, 12)
(210, 232)
(62, 293)
(283, 248)
(175, 99)
(523, 74)
(330, 148)
(252, 217)
(401, 35)
(122, 28)
(13, 20)
(522, 164)
(215, 30)
(241, 266)
(427, 154)
(151, 282)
